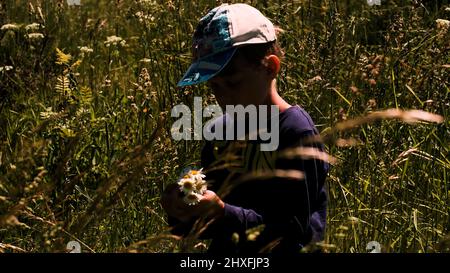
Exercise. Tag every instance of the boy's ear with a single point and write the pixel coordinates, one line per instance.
(273, 65)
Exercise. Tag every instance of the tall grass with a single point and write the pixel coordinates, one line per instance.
(85, 145)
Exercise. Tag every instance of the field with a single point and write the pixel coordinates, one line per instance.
(85, 99)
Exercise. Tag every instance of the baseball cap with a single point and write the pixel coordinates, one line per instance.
(219, 34)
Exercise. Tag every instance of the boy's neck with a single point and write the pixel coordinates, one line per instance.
(275, 99)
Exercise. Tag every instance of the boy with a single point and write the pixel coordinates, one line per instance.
(235, 51)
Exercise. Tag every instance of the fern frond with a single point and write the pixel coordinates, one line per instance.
(85, 95)
(63, 85)
(63, 88)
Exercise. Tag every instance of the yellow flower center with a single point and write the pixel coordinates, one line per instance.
(188, 185)
(192, 197)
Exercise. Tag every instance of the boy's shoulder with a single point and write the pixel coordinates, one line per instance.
(295, 120)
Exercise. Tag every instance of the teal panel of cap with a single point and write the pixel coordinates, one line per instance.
(206, 68)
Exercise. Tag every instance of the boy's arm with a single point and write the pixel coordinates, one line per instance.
(233, 218)
(274, 201)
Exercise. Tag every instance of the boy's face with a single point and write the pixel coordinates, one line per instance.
(241, 83)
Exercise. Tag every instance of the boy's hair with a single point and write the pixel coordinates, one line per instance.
(254, 54)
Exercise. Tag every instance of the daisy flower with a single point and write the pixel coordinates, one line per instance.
(197, 175)
(193, 185)
(187, 185)
(192, 198)
(200, 188)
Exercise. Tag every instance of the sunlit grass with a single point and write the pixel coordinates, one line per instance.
(85, 144)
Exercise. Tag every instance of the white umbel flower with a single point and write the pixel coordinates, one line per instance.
(35, 36)
(33, 27)
(443, 24)
(114, 40)
(6, 68)
(10, 27)
(85, 49)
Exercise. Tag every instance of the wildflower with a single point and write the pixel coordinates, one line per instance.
(144, 17)
(145, 60)
(144, 77)
(32, 27)
(62, 58)
(198, 175)
(107, 83)
(353, 220)
(82, 111)
(66, 132)
(371, 104)
(114, 40)
(443, 24)
(200, 188)
(5, 68)
(85, 49)
(342, 115)
(193, 186)
(253, 233)
(187, 185)
(314, 79)
(10, 27)
(355, 90)
(48, 113)
(192, 198)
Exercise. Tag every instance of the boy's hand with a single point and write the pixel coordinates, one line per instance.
(173, 204)
(210, 205)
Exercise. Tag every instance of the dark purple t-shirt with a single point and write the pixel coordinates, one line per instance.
(289, 212)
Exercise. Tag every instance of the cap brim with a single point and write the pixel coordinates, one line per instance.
(206, 68)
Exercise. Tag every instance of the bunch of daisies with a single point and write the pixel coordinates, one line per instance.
(193, 186)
